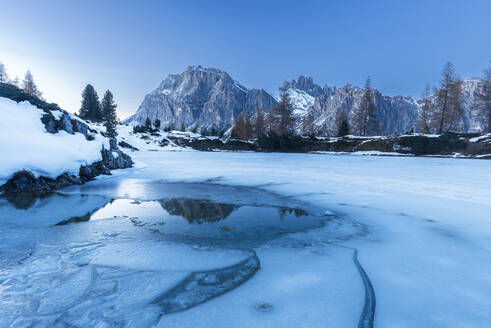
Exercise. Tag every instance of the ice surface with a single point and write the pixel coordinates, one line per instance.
(421, 227)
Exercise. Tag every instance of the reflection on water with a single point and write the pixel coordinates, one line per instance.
(22, 201)
(197, 210)
(202, 221)
(134, 254)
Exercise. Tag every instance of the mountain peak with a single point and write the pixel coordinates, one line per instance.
(306, 84)
(206, 98)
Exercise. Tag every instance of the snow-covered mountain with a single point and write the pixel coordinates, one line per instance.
(208, 98)
(473, 119)
(204, 97)
(326, 104)
(396, 115)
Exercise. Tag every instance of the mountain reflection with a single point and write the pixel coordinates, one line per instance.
(197, 210)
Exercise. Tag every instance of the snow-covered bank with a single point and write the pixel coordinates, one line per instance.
(26, 145)
(444, 145)
(47, 148)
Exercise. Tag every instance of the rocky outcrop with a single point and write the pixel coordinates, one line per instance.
(473, 120)
(55, 120)
(24, 182)
(200, 98)
(211, 144)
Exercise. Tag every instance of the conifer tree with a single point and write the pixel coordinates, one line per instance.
(485, 97)
(283, 121)
(30, 87)
(4, 78)
(15, 82)
(109, 114)
(248, 126)
(365, 118)
(259, 123)
(239, 127)
(148, 124)
(272, 121)
(342, 124)
(156, 123)
(426, 112)
(91, 107)
(448, 101)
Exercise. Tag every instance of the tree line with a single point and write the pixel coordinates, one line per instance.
(91, 109)
(27, 84)
(279, 122)
(99, 111)
(441, 111)
(442, 107)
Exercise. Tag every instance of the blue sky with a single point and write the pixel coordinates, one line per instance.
(130, 46)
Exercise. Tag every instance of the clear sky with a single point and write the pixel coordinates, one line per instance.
(130, 46)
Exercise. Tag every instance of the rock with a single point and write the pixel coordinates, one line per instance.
(23, 182)
(66, 123)
(124, 144)
(49, 123)
(80, 127)
(203, 98)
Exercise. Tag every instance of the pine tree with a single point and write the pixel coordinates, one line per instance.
(91, 107)
(485, 97)
(283, 121)
(259, 125)
(30, 87)
(342, 124)
(426, 112)
(4, 78)
(148, 124)
(248, 126)
(109, 114)
(239, 127)
(15, 82)
(156, 123)
(365, 119)
(448, 101)
(272, 121)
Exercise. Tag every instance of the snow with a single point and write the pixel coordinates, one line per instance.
(240, 87)
(125, 132)
(57, 114)
(429, 245)
(421, 227)
(301, 101)
(25, 144)
(363, 153)
(481, 138)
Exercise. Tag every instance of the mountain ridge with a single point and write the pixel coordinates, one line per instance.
(207, 99)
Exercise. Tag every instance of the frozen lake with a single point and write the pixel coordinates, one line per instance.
(191, 239)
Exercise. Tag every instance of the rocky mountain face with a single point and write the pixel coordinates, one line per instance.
(396, 115)
(208, 98)
(201, 98)
(473, 120)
